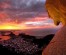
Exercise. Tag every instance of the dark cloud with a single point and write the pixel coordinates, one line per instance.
(23, 9)
(25, 5)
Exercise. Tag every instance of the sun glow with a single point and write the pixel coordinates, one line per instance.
(8, 27)
(12, 27)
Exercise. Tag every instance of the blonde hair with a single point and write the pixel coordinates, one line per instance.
(57, 10)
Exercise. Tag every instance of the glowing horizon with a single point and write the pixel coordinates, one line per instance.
(11, 26)
(7, 23)
(26, 25)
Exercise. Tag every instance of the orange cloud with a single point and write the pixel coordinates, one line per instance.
(6, 23)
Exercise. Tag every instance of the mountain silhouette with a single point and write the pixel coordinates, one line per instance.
(24, 44)
(43, 41)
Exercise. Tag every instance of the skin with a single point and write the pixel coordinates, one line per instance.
(57, 10)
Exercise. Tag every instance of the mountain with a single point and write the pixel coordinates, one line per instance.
(24, 44)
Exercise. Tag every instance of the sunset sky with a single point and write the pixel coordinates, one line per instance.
(25, 14)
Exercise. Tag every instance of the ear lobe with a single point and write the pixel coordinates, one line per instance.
(56, 22)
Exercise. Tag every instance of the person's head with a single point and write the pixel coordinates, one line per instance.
(57, 10)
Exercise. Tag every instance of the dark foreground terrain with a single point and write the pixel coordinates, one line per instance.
(24, 45)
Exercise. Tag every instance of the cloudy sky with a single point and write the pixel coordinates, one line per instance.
(25, 14)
